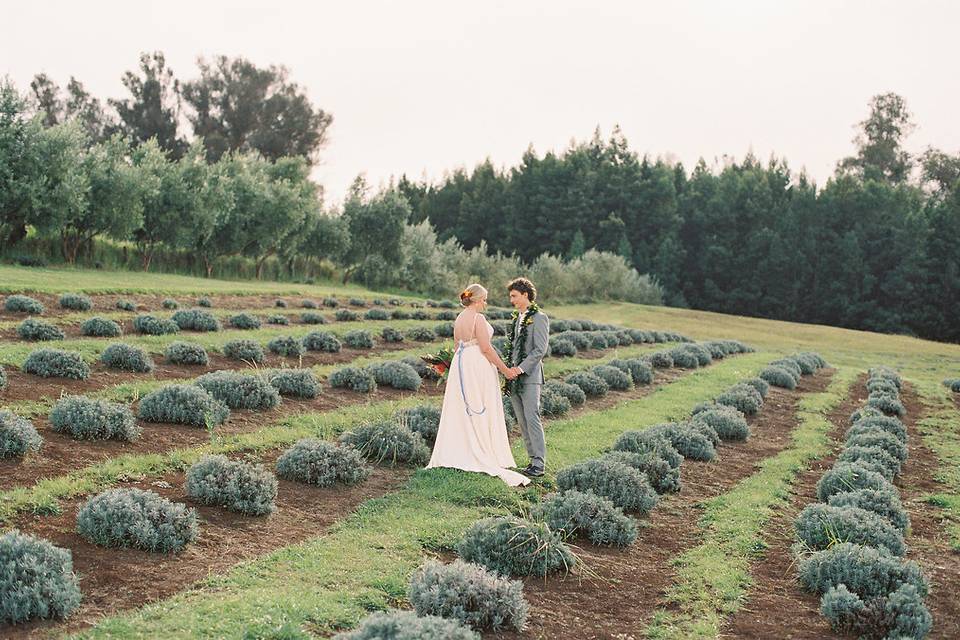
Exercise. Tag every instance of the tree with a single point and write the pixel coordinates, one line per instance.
(376, 228)
(153, 108)
(169, 191)
(240, 107)
(880, 155)
(21, 168)
(78, 104)
(323, 236)
(578, 246)
(46, 95)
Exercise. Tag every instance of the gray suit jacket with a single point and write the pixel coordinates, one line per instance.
(538, 337)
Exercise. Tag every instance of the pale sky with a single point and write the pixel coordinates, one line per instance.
(425, 87)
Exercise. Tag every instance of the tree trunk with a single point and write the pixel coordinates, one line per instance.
(147, 258)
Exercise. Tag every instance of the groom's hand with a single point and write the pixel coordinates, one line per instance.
(516, 371)
(510, 374)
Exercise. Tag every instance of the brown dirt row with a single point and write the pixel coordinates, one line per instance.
(778, 607)
(620, 590)
(113, 580)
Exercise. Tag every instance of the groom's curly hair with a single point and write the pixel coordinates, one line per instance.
(523, 285)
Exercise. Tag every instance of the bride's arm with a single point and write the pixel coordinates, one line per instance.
(486, 348)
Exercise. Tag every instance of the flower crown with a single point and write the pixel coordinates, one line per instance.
(466, 293)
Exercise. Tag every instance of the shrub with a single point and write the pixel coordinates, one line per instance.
(820, 525)
(626, 487)
(873, 458)
(17, 436)
(883, 502)
(778, 377)
(322, 463)
(85, 418)
(689, 442)
(886, 373)
(649, 442)
(37, 579)
(237, 486)
(902, 614)
(3, 379)
(953, 384)
(573, 513)
(182, 404)
(138, 519)
(389, 334)
(705, 430)
(444, 329)
(615, 378)
(661, 360)
(662, 477)
(886, 441)
(574, 394)
(23, 304)
(406, 625)
(245, 350)
(308, 304)
(288, 346)
(204, 301)
(580, 340)
(447, 316)
(312, 318)
(561, 347)
(888, 404)
(331, 303)
(321, 341)
(56, 363)
(553, 404)
(742, 397)
(240, 390)
(591, 384)
(100, 328)
(170, 303)
(790, 367)
(196, 320)
(125, 357)
(469, 594)
(421, 367)
(278, 319)
(423, 419)
(879, 424)
(866, 571)
(684, 358)
(281, 304)
(639, 371)
(154, 326)
(388, 442)
(358, 339)
(244, 321)
(376, 314)
(353, 378)
(396, 374)
(515, 547)
(345, 315)
(296, 383)
(882, 385)
(76, 302)
(849, 476)
(190, 353)
(357, 302)
(421, 334)
(126, 305)
(39, 330)
(728, 422)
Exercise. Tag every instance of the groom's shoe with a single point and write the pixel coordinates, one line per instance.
(533, 472)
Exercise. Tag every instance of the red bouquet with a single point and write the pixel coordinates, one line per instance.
(440, 362)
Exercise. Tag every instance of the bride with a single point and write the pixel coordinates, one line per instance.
(473, 433)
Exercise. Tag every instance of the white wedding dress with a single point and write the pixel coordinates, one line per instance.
(473, 433)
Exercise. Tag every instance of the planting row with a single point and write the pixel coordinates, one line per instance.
(851, 543)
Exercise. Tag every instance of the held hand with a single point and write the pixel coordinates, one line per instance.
(509, 374)
(516, 372)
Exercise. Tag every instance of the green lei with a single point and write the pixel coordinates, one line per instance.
(520, 341)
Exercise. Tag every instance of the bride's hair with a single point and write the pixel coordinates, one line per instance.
(471, 293)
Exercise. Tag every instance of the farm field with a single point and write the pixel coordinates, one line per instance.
(713, 556)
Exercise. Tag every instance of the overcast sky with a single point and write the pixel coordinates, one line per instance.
(424, 87)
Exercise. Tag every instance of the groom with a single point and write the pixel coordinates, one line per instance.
(529, 335)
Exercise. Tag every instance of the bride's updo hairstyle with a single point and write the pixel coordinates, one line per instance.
(473, 292)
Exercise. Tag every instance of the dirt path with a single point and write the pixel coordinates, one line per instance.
(623, 588)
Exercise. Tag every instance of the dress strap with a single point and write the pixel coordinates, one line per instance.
(463, 392)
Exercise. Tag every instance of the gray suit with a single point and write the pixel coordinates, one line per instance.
(526, 401)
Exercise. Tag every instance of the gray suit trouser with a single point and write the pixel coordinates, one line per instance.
(526, 405)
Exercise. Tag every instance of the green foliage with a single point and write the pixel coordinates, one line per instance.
(470, 594)
(244, 321)
(728, 422)
(887, 404)
(353, 378)
(689, 442)
(86, 418)
(820, 526)
(623, 485)
(346, 315)
(376, 314)
(3, 379)
(761, 385)
(561, 347)
(138, 519)
(358, 339)
(39, 330)
(188, 353)
(182, 404)
(100, 328)
(204, 301)
(196, 320)
(574, 513)
(421, 334)
(56, 363)
(311, 317)
(406, 625)
(396, 374)
(873, 458)
(23, 304)
(423, 419)
(170, 303)
(278, 319)
(281, 304)
(234, 485)
(882, 439)
(154, 326)
(288, 346)
(515, 547)
(388, 442)
(306, 303)
(444, 329)
(684, 358)
(662, 477)
(778, 377)
(879, 424)
(590, 383)
(296, 383)
(614, 378)
(574, 394)
(553, 404)
(953, 384)
(640, 372)
(866, 571)
(126, 357)
(75, 302)
(883, 502)
(322, 341)
(661, 360)
(126, 305)
(648, 441)
(17, 436)
(742, 397)
(849, 476)
(389, 334)
(240, 390)
(245, 350)
(900, 615)
(322, 463)
(37, 579)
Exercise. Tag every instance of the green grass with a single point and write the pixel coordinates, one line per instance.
(939, 427)
(712, 578)
(363, 563)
